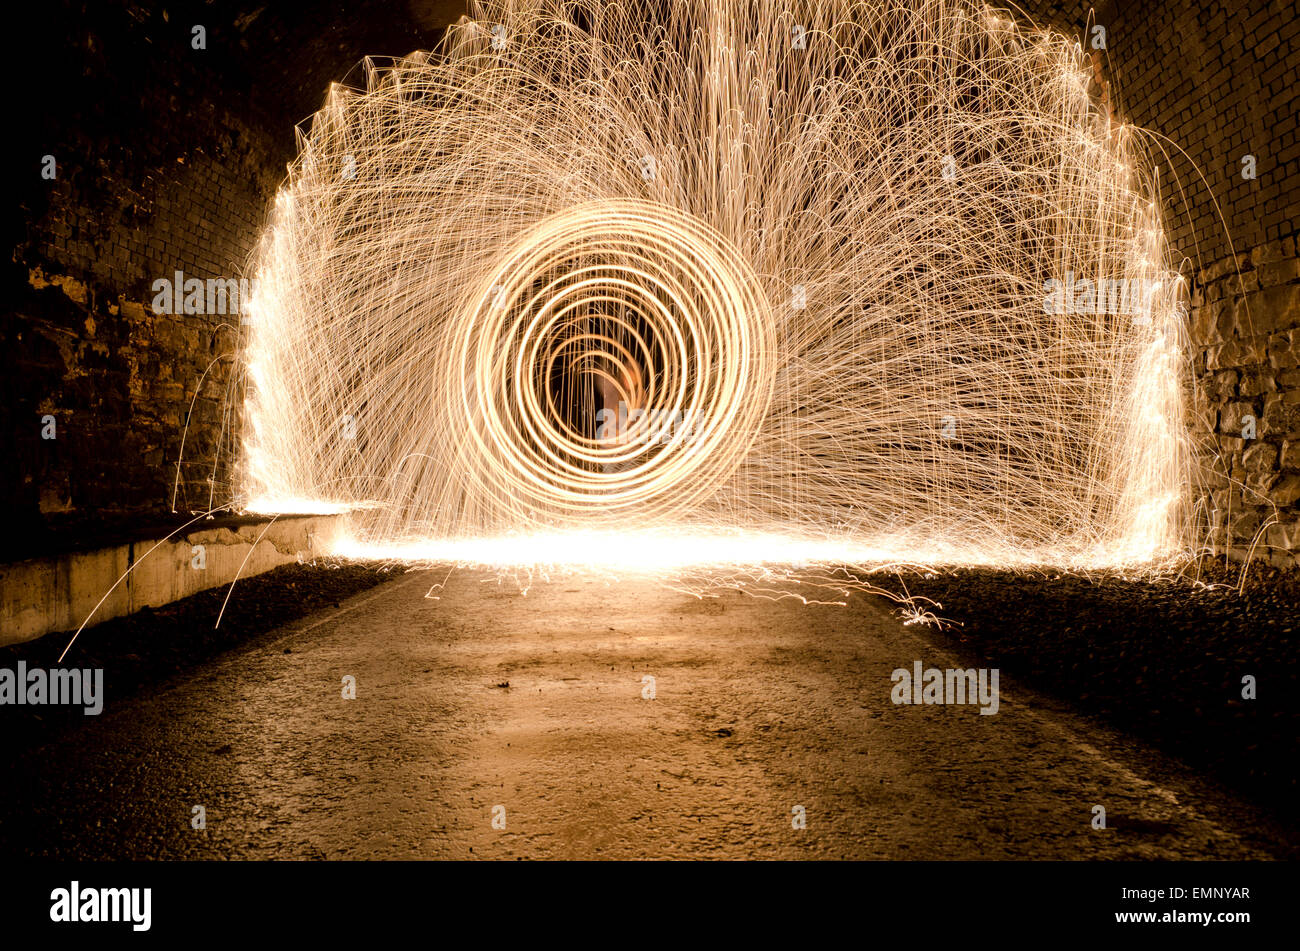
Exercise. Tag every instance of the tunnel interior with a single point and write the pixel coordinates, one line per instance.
(141, 398)
(316, 699)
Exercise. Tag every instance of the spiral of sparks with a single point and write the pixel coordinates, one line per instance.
(753, 280)
(637, 299)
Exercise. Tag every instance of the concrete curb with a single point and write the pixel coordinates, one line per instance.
(58, 592)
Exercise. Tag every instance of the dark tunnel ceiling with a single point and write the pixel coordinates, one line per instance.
(297, 49)
(275, 60)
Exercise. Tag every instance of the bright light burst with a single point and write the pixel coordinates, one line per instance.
(716, 281)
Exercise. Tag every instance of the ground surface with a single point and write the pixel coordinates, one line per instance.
(1160, 658)
(141, 650)
(485, 697)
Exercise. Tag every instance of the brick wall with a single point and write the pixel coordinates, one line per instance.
(1220, 80)
(167, 157)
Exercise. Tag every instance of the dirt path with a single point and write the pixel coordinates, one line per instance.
(759, 707)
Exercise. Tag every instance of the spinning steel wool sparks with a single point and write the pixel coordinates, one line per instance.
(724, 282)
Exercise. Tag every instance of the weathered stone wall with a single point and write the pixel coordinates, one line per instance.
(1220, 81)
(156, 170)
(166, 157)
(1246, 327)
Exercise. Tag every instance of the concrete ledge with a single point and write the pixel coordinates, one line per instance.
(57, 592)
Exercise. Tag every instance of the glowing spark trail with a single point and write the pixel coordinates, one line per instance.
(728, 282)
